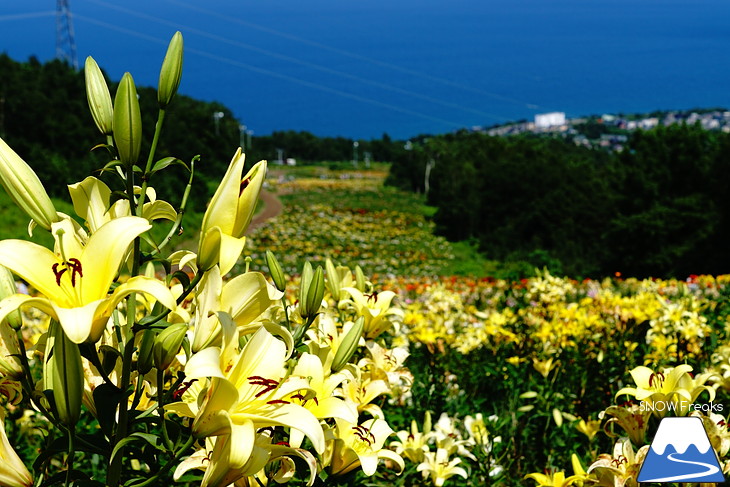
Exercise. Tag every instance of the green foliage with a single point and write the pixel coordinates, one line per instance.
(659, 208)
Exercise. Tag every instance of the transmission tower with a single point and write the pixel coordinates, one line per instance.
(65, 43)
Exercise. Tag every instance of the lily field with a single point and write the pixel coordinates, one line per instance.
(334, 341)
(510, 382)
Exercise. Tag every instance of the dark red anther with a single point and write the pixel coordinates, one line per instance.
(58, 273)
(182, 389)
(244, 185)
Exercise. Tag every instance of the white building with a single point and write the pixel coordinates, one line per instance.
(546, 120)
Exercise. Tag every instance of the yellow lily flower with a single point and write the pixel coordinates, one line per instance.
(255, 388)
(360, 392)
(75, 281)
(323, 404)
(589, 428)
(91, 199)
(376, 309)
(622, 467)
(223, 468)
(13, 472)
(438, 466)
(633, 420)
(673, 390)
(413, 444)
(362, 445)
(555, 479)
(229, 214)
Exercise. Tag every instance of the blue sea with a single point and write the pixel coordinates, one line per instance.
(402, 67)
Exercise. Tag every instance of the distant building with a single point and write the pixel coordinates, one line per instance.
(547, 120)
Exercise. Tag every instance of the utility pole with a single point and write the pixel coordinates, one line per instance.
(242, 137)
(217, 121)
(65, 42)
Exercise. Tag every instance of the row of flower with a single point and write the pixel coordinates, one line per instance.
(383, 241)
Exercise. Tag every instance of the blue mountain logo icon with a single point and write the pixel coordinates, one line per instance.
(681, 452)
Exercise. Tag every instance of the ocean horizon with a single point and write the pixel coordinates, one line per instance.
(403, 67)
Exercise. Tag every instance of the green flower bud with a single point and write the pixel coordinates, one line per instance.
(277, 275)
(97, 94)
(66, 375)
(171, 71)
(127, 123)
(333, 280)
(25, 189)
(144, 355)
(304, 281)
(348, 345)
(360, 281)
(167, 344)
(210, 249)
(315, 293)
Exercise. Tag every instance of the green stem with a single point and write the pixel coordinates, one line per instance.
(180, 299)
(71, 454)
(161, 408)
(180, 211)
(165, 468)
(150, 158)
(115, 467)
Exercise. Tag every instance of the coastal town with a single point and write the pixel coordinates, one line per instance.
(609, 131)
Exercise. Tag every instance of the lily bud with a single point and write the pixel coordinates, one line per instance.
(97, 94)
(167, 344)
(348, 345)
(361, 282)
(333, 280)
(127, 122)
(231, 210)
(67, 376)
(144, 355)
(304, 281)
(24, 188)
(277, 275)
(171, 71)
(312, 299)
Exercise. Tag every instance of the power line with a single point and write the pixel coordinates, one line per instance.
(360, 57)
(283, 57)
(29, 15)
(233, 62)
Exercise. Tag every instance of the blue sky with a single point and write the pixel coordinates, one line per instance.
(359, 69)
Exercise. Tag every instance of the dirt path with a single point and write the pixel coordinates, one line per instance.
(272, 208)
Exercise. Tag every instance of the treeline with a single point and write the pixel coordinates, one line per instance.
(660, 208)
(45, 118)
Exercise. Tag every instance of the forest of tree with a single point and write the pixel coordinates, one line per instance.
(660, 208)
(44, 116)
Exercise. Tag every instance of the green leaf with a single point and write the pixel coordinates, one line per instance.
(162, 164)
(107, 398)
(109, 166)
(60, 478)
(182, 277)
(152, 440)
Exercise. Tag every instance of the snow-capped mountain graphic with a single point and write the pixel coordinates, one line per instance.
(681, 452)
